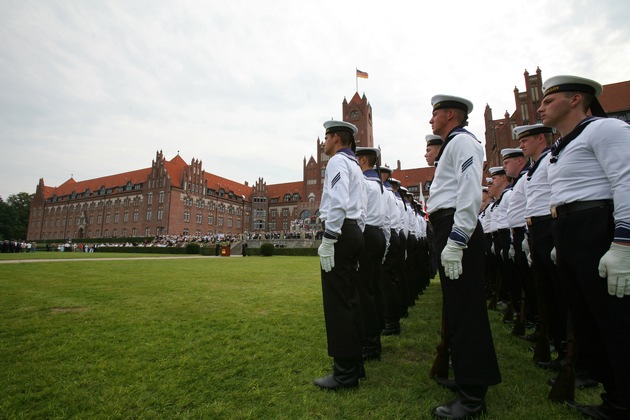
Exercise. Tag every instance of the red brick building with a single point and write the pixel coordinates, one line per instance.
(615, 100)
(178, 198)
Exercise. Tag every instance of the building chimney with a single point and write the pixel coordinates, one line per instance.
(398, 165)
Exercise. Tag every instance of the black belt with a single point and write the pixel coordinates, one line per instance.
(372, 227)
(504, 230)
(349, 222)
(441, 213)
(569, 208)
(535, 219)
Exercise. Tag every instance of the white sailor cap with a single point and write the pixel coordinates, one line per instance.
(484, 189)
(433, 140)
(402, 190)
(497, 170)
(489, 181)
(523, 131)
(565, 83)
(333, 126)
(366, 151)
(385, 169)
(511, 153)
(394, 181)
(449, 101)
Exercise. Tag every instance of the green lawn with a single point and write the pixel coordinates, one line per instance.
(218, 338)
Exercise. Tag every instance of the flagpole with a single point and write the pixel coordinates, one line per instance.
(356, 77)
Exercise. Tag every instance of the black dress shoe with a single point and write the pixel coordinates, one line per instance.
(346, 375)
(580, 383)
(456, 409)
(332, 383)
(446, 383)
(605, 411)
(469, 404)
(372, 355)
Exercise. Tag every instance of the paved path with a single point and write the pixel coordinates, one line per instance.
(114, 259)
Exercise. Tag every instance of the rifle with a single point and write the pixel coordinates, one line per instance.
(519, 325)
(563, 389)
(440, 364)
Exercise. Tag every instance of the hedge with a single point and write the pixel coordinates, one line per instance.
(292, 252)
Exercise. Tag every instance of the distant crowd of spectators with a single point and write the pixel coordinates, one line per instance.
(17, 246)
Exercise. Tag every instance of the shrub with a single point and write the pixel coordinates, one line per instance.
(266, 249)
(193, 248)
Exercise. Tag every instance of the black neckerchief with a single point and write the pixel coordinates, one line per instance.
(523, 172)
(564, 141)
(349, 154)
(457, 130)
(373, 175)
(496, 203)
(531, 171)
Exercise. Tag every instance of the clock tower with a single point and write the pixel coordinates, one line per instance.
(359, 112)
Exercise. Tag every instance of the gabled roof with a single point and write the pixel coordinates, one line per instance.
(415, 176)
(175, 168)
(279, 190)
(615, 97)
(216, 182)
(70, 186)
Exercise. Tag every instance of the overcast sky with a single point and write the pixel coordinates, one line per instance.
(93, 88)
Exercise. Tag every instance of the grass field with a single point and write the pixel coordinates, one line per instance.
(218, 338)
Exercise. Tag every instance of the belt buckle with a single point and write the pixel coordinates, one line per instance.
(554, 212)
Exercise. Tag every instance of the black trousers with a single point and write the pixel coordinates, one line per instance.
(552, 299)
(464, 299)
(342, 313)
(601, 321)
(391, 281)
(524, 273)
(369, 283)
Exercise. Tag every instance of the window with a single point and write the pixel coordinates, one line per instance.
(135, 215)
(220, 224)
(149, 215)
(160, 214)
(126, 216)
(210, 220)
(147, 232)
(161, 197)
(199, 218)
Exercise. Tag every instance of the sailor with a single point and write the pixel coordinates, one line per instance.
(589, 177)
(376, 236)
(453, 206)
(516, 166)
(343, 213)
(391, 278)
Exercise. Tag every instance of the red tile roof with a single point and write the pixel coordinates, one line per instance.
(70, 186)
(216, 182)
(415, 176)
(616, 97)
(279, 190)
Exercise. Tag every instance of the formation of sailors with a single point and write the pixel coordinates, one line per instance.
(547, 241)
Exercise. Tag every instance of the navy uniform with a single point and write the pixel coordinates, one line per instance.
(551, 303)
(403, 276)
(589, 174)
(485, 218)
(343, 212)
(391, 278)
(370, 260)
(523, 284)
(501, 234)
(453, 206)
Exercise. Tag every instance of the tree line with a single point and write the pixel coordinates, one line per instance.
(14, 214)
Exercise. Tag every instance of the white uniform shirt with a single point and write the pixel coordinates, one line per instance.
(539, 190)
(499, 211)
(485, 217)
(402, 214)
(392, 208)
(422, 226)
(376, 204)
(518, 203)
(456, 184)
(596, 166)
(344, 192)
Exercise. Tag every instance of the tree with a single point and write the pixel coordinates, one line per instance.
(14, 215)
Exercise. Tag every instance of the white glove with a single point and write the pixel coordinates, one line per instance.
(452, 259)
(525, 246)
(326, 252)
(552, 254)
(385, 254)
(615, 265)
(511, 252)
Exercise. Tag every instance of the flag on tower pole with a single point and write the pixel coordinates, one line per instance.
(362, 75)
